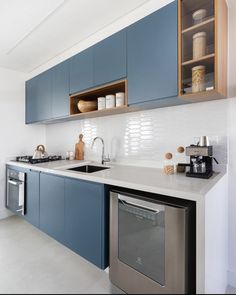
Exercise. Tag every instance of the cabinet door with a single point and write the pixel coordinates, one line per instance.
(32, 198)
(39, 98)
(110, 59)
(52, 206)
(85, 220)
(60, 90)
(31, 101)
(81, 71)
(44, 96)
(152, 56)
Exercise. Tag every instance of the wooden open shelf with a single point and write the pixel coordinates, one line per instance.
(215, 60)
(94, 93)
(209, 57)
(205, 26)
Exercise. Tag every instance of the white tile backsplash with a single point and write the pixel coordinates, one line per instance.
(142, 138)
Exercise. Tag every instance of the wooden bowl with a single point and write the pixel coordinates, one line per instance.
(85, 106)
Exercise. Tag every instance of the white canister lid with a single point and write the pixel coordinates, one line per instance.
(101, 98)
(198, 68)
(110, 96)
(198, 35)
(199, 14)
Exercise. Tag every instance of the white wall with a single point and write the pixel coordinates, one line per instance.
(16, 137)
(142, 138)
(232, 145)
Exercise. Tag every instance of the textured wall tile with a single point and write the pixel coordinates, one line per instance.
(142, 138)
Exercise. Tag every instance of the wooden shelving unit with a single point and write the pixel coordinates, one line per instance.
(209, 58)
(205, 25)
(214, 25)
(93, 94)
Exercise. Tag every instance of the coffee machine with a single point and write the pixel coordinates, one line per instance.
(201, 161)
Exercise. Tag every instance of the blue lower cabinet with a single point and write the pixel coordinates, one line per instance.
(86, 220)
(32, 198)
(52, 195)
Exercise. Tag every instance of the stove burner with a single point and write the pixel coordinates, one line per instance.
(29, 159)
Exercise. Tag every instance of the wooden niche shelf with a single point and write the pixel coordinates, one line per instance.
(93, 94)
(214, 61)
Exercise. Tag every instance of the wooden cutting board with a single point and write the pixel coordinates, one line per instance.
(79, 149)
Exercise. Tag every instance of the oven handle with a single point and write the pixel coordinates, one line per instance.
(15, 182)
(152, 207)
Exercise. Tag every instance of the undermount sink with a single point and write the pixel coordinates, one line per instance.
(88, 168)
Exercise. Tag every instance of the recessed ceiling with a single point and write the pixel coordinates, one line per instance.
(34, 31)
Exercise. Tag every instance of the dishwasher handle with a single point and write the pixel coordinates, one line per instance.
(15, 182)
(150, 206)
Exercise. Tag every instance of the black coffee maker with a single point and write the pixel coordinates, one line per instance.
(201, 161)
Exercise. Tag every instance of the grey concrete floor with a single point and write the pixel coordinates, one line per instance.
(31, 262)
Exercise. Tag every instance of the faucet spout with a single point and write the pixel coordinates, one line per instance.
(102, 141)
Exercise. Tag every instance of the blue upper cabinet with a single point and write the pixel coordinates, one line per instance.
(152, 46)
(86, 220)
(52, 206)
(60, 90)
(31, 110)
(39, 98)
(81, 71)
(109, 59)
(44, 96)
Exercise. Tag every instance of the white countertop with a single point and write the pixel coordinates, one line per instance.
(151, 180)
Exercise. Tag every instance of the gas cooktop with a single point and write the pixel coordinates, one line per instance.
(29, 159)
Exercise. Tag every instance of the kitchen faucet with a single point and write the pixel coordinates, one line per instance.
(104, 159)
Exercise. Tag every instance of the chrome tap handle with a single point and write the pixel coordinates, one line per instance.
(106, 159)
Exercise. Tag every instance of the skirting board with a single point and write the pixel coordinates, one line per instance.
(232, 278)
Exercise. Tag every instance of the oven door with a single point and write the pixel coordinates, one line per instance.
(16, 196)
(147, 246)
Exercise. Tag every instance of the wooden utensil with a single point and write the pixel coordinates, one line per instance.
(79, 148)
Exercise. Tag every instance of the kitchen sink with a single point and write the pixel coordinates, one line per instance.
(88, 168)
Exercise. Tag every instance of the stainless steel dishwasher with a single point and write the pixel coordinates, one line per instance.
(152, 244)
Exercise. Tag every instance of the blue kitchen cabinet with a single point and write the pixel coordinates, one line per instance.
(152, 56)
(81, 71)
(86, 220)
(52, 206)
(32, 198)
(31, 111)
(109, 59)
(39, 98)
(60, 90)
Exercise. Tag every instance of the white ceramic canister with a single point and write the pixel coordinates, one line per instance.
(120, 99)
(198, 79)
(198, 16)
(101, 103)
(110, 101)
(199, 45)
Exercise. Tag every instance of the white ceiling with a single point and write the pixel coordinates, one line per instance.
(34, 31)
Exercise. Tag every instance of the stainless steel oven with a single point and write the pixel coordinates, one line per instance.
(150, 244)
(16, 192)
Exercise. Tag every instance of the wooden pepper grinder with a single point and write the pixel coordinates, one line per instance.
(79, 148)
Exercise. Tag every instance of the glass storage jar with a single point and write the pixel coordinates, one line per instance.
(199, 45)
(198, 79)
